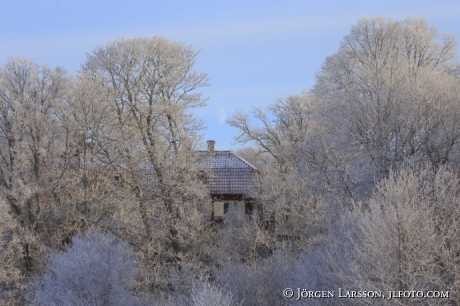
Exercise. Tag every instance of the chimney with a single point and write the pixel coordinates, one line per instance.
(211, 144)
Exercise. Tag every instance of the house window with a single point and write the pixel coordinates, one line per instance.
(228, 206)
(223, 208)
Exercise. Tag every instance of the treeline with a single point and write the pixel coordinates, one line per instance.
(102, 204)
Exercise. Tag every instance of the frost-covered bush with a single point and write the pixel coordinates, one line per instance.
(263, 282)
(206, 294)
(96, 270)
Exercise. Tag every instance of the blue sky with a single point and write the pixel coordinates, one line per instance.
(252, 51)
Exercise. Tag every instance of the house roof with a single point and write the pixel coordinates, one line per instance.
(231, 174)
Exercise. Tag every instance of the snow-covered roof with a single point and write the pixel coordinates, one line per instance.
(231, 174)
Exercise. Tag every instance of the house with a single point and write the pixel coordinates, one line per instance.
(230, 180)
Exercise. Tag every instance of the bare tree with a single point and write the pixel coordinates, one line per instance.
(282, 132)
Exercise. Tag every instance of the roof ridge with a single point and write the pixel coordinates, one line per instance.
(206, 151)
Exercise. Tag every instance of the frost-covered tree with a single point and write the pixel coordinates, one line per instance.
(11, 266)
(400, 239)
(82, 117)
(294, 177)
(96, 269)
(387, 98)
(152, 88)
(147, 140)
(30, 145)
